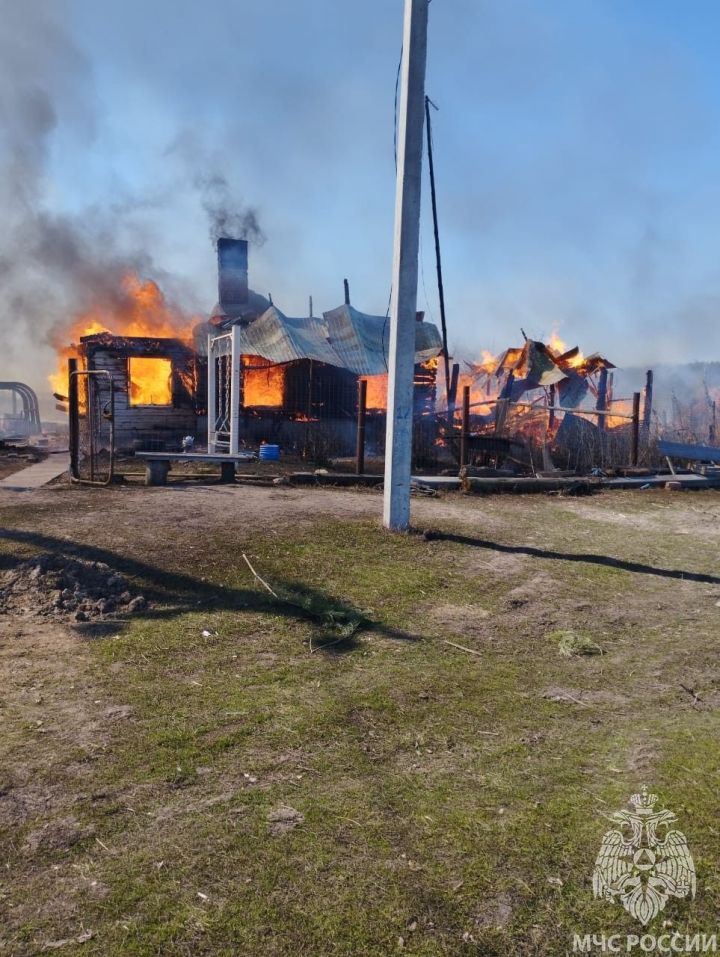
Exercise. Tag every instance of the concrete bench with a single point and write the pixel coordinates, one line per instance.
(157, 464)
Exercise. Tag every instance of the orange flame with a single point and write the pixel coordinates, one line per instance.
(140, 309)
(623, 407)
(479, 377)
(377, 389)
(262, 385)
(559, 347)
(576, 361)
(556, 344)
(488, 362)
(150, 381)
(377, 385)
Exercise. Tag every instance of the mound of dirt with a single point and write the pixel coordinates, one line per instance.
(54, 586)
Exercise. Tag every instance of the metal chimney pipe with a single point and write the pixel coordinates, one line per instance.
(232, 275)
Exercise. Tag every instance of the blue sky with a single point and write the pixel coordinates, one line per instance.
(577, 152)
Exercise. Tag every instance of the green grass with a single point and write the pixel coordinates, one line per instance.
(570, 644)
(449, 799)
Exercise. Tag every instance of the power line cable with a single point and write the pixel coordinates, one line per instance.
(438, 260)
(395, 108)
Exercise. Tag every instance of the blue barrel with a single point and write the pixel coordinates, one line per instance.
(269, 453)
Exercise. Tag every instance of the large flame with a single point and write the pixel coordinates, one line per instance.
(556, 344)
(377, 390)
(150, 381)
(488, 362)
(377, 385)
(479, 377)
(262, 383)
(558, 347)
(530, 416)
(624, 409)
(139, 309)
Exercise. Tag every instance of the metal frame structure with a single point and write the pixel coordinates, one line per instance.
(107, 413)
(224, 392)
(30, 407)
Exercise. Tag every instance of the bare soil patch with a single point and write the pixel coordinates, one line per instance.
(53, 585)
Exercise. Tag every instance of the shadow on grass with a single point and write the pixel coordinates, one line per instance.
(606, 560)
(173, 593)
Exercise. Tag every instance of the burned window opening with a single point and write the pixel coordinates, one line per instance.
(262, 383)
(150, 381)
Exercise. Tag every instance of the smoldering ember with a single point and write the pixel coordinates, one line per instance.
(375, 608)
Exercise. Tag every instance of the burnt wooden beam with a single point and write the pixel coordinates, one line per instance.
(635, 448)
(479, 486)
(73, 420)
(647, 405)
(712, 428)
(454, 376)
(602, 396)
(465, 426)
(362, 413)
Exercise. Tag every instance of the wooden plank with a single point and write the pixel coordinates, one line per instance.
(521, 484)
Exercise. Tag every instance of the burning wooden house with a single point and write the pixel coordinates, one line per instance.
(263, 375)
(158, 384)
(146, 346)
(269, 374)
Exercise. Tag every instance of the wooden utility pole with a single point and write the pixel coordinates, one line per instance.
(635, 435)
(647, 406)
(403, 306)
(362, 414)
(73, 419)
(465, 427)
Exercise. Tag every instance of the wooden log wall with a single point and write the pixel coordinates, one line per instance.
(150, 427)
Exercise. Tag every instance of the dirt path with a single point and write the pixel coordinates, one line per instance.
(36, 475)
(206, 506)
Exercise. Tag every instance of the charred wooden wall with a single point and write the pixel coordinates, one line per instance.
(319, 391)
(317, 414)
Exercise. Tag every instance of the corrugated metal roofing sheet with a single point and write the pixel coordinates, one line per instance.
(344, 338)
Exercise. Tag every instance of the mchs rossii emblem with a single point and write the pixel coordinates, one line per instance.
(644, 860)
